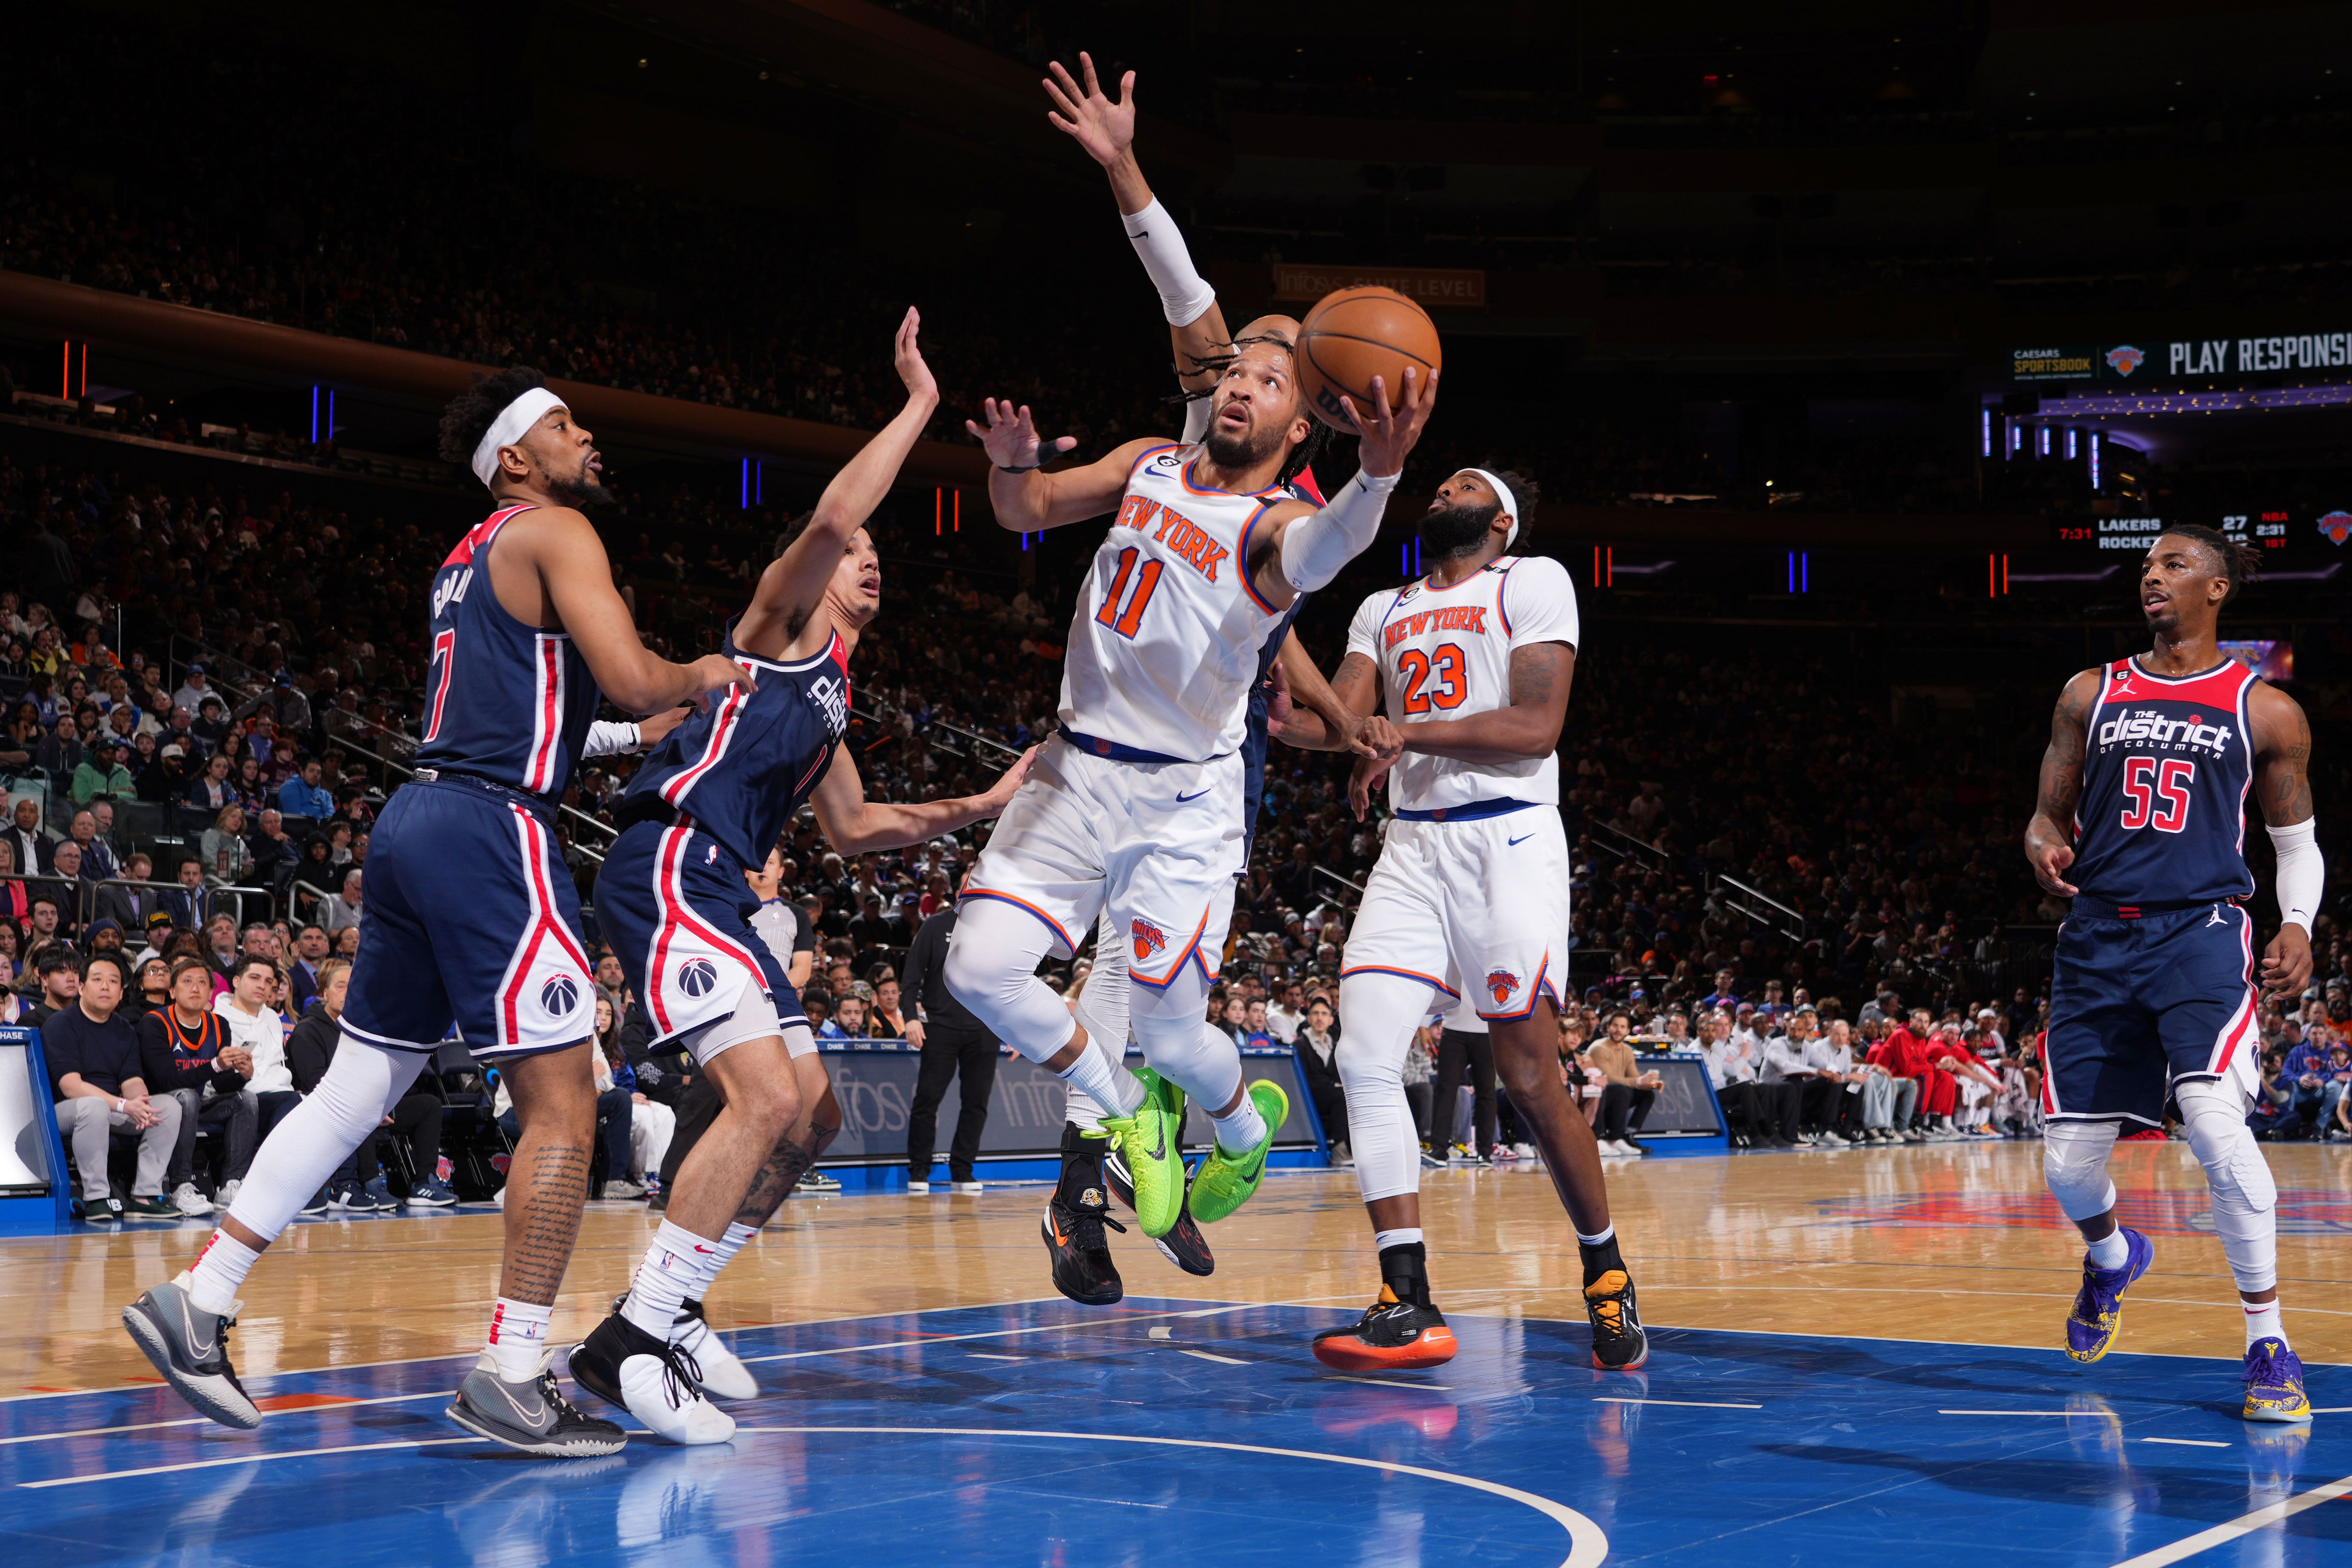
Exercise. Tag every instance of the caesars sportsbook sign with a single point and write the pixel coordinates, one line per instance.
(1463, 288)
(2146, 360)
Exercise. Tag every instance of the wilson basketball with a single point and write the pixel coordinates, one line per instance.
(1355, 334)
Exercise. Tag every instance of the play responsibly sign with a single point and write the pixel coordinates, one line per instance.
(2175, 359)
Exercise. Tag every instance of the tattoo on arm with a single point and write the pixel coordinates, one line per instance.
(1357, 671)
(2061, 788)
(1534, 674)
(2286, 782)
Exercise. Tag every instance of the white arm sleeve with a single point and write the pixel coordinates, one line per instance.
(2302, 872)
(1318, 547)
(1196, 419)
(1159, 244)
(607, 739)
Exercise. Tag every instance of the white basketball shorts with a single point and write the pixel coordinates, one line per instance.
(1476, 908)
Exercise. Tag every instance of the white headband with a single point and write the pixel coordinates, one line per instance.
(1510, 502)
(509, 427)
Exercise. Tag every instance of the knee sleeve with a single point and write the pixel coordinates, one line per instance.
(2074, 1163)
(1103, 1009)
(2245, 1197)
(1378, 1015)
(363, 1085)
(991, 969)
(1179, 1044)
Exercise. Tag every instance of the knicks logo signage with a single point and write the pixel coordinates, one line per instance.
(1188, 538)
(1447, 618)
(2147, 725)
(2338, 526)
(1149, 940)
(2125, 360)
(1500, 984)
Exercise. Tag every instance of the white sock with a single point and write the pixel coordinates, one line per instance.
(1384, 1239)
(671, 1270)
(1108, 1083)
(719, 1257)
(2263, 1322)
(1606, 1232)
(218, 1273)
(519, 1338)
(1239, 1133)
(2111, 1251)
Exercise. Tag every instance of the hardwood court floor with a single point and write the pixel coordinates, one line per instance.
(1940, 1243)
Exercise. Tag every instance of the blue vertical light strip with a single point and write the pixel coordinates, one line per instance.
(1404, 559)
(2016, 437)
(331, 414)
(1793, 571)
(2042, 441)
(759, 481)
(2069, 443)
(314, 416)
(1988, 432)
(2094, 459)
(745, 504)
(1416, 555)
(1805, 572)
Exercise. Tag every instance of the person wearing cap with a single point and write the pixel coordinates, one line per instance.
(194, 690)
(101, 773)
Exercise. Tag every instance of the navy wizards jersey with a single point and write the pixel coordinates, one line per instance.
(2167, 765)
(1254, 738)
(504, 701)
(741, 769)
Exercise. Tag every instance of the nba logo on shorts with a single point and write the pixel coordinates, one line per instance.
(560, 994)
(1501, 983)
(1148, 940)
(696, 978)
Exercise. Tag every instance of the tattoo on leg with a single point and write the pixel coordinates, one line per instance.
(778, 1175)
(541, 1228)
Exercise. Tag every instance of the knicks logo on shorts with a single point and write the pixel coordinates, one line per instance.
(1148, 940)
(1500, 984)
(560, 996)
(695, 979)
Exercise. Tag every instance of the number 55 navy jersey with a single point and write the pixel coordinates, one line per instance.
(2168, 762)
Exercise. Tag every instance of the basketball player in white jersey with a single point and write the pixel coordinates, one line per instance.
(1134, 805)
(1076, 1215)
(1470, 896)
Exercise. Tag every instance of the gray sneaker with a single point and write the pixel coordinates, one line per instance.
(191, 1350)
(532, 1415)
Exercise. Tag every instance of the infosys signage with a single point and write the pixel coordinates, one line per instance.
(2175, 359)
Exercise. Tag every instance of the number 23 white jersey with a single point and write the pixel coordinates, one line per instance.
(1445, 653)
(1166, 639)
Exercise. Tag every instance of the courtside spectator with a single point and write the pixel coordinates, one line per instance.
(100, 1089)
(184, 1051)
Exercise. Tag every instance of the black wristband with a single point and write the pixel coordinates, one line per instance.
(1009, 468)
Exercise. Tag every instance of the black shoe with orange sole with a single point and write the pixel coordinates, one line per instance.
(1619, 1342)
(1183, 1245)
(1076, 1219)
(1391, 1336)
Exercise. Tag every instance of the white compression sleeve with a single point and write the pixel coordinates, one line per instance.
(1378, 1015)
(1318, 547)
(2302, 871)
(608, 739)
(1184, 295)
(2245, 1195)
(1196, 418)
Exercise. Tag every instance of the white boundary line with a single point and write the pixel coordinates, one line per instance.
(1692, 1404)
(1587, 1544)
(2186, 1442)
(2244, 1524)
(249, 1459)
(336, 1404)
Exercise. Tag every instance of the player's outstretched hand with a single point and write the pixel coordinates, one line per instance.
(1000, 794)
(2286, 964)
(909, 356)
(2048, 860)
(1106, 130)
(1367, 776)
(651, 727)
(1383, 437)
(716, 672)
(1011, 437)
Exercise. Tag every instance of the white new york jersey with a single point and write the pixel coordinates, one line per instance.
(1165, 643)
(1445, 653)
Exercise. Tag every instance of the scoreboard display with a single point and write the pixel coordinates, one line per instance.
(2297, 534)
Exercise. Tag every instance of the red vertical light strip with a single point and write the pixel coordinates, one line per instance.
(2004, 573)
(1596, 565)
(65, 371)
(959, 512)
(1612, 567)
(938, 511)
(85, 370)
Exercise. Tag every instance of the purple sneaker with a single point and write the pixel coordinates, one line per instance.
(2098, 1306)
(2273, 1379)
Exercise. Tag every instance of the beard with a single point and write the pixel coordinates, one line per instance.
(1231, 451)
(584, 492)
(1449, 532)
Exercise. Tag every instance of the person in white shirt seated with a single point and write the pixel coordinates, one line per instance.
(1830, 1056)
(1731, 1068)
(1800, 1095)
(259, 1030)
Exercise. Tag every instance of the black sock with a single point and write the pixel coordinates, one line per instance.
(1601, 1259)
(1404, 1269)
(1081, 1186)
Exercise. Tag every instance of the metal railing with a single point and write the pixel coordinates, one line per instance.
(1329, 875)
(1625, 846)
(86, 894)
(1763, 909)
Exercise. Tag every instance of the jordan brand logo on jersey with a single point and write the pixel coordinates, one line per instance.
(1501, 983)
(2216, 916)
(1149, 940)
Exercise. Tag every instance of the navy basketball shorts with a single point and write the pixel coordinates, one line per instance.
(469, 917)
(674, 904)
(2138, 1005)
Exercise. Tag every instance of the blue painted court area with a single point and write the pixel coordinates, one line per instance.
(1164, 1432)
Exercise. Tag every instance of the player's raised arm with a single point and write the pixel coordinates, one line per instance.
(2049, 836)
(1026, 498)
(2281, 740)
(854, 824)
(1303, 548)
(1106, 129)
(794, 582)
(576, 578)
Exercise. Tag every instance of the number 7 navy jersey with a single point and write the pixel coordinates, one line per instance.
(502, 701)
(2167, 765)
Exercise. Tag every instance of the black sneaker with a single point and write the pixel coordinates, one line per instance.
(532, 1416)
(1391, 1336)
(320, 1201)
(1619, 1341)
(1183, 1245)
(1076, 1217)
(156, 1207)
(191, 1350)
(107, 1210)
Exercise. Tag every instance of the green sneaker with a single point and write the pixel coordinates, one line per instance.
(1149, 1144)
(1226, 1182)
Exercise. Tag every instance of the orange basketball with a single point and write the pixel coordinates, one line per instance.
(1355, 334)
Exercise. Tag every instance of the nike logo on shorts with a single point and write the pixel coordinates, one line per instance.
(1522, 839)
(1194, 795)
